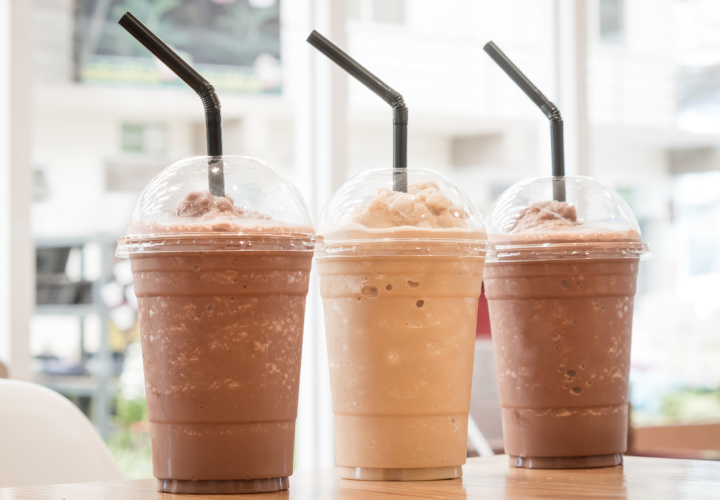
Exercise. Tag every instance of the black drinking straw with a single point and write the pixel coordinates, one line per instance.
(390, 96)
(213, 121)
(548, 109)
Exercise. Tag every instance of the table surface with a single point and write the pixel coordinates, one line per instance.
(484, 478)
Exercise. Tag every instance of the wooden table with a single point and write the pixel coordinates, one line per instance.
(485, 478)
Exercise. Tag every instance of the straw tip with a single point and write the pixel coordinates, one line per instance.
(314, 35)
(490, 46)
(127, 17)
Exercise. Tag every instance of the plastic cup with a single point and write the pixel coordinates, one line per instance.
(400, 276)
(221, 286)
(560, 281)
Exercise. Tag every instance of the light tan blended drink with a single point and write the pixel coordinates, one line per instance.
(400, 276)
(560, 288)
(221, 285)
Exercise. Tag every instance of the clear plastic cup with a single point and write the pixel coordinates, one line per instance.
(400, 277)
(560, 281)
(221, 286)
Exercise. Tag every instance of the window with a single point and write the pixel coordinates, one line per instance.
(612, 21)
(377, 11)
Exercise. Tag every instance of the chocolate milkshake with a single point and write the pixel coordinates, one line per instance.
(560, 287)
(400, 276)
(221, 285)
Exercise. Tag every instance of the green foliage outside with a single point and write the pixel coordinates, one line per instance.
(682, 406)
(691, 406)
(130, 443)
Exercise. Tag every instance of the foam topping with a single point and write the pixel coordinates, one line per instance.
(423, 206)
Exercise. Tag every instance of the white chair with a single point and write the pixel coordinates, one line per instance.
(45, 439)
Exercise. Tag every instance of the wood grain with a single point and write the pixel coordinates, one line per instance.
(485, 478)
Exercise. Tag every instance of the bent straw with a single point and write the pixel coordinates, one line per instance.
(383, 90)
(211, 103)
(548, 109)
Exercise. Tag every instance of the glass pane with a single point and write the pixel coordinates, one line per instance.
(612, 21)
(389, 11)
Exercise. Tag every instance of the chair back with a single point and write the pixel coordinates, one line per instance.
(45, 439)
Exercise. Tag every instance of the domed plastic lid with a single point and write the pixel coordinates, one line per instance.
(594, 221)
(366, 212)
(261, 210)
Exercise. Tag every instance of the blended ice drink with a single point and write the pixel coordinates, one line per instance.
(221, 285)
(400, 277)
(560, 283)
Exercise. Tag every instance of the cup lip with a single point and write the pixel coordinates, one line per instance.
(213, 242)
(401, 247)
(500, 252)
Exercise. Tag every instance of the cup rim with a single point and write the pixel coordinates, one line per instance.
(569, 251)
(401, 247)
(213, 242)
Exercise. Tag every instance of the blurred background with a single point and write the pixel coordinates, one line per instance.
(88, 117)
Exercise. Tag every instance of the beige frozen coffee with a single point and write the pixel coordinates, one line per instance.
(221, 285)
(400, 276)
(560, 282)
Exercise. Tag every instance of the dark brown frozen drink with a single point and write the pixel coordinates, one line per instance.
(221, 285)
(560, 287)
